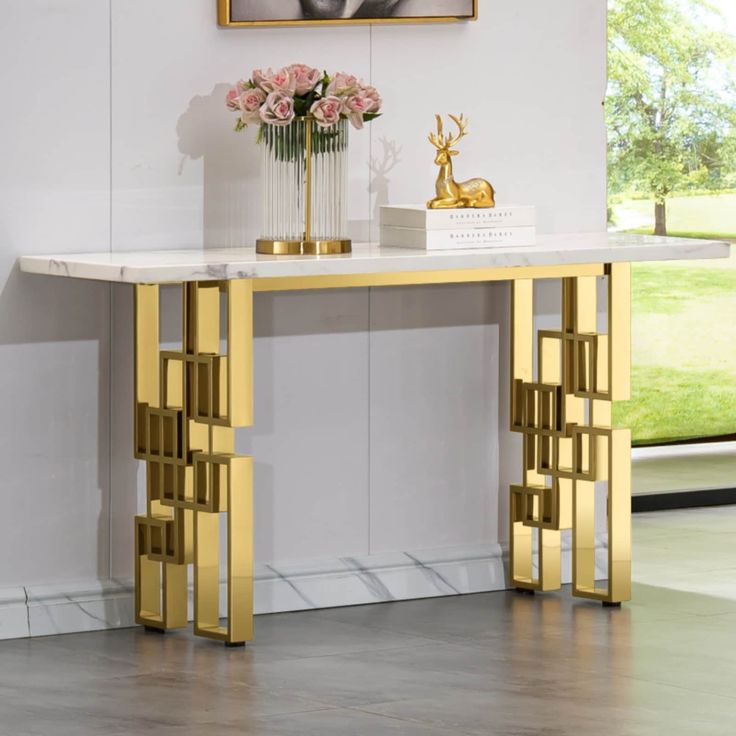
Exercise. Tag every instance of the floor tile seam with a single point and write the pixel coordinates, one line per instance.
(406, 632)
(653, 681)
(414, 721)
(350, 654)
(715, 615)
(310, 704)
(326, 618)
(497, 680)
(266, 717)
(318, 703)
(74, 711)
(338, 655)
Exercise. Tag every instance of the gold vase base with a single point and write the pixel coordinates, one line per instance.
(303, 247)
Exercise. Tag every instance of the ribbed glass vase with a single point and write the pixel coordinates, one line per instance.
(305, 178)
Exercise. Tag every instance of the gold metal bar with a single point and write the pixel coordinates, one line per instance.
(619, 517)
(586, 304)
(583, 548)
(308, 176)
(146, 343)
(207, 315)
(569, 444)
(585, 319)
(521, 536)
(174, 596)
(240, 551)
(147, 581)
(240, 352)
(161, 586)
(411, 278)
(207, 574)
(619, 473)
(619, 330)
(222, 481)
(550, 559)
(549, 357)
(610, 452)
(146, 349)
(239, 582)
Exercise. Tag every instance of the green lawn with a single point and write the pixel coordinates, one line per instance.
(684, 332)
(714, 216)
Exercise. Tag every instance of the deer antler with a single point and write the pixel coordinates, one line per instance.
(437, 139)
(462, 124)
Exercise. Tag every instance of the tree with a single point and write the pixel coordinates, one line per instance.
(671, 105)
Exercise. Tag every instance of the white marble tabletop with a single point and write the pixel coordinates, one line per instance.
(215, 264)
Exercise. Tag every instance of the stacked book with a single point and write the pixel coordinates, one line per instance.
(414, 226)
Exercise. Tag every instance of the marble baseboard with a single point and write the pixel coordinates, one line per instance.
(379, 578)
(42, 610)
(13, 613)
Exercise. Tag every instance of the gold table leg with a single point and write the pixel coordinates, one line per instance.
(187, 405)
(569, 444)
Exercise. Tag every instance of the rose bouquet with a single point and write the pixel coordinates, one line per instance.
(303, 116)
(300, 91)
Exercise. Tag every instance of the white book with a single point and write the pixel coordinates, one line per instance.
(487, 237)
(418, 216)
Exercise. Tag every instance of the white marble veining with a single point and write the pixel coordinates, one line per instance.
(64, 608)
(237, 263)
(288, 586)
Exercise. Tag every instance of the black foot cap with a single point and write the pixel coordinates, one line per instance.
(234, 644)
(154, 630)
(524, 591)
(609, 604)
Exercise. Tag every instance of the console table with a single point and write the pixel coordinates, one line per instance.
(188, 402)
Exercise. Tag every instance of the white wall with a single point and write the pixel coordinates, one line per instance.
(377, 412)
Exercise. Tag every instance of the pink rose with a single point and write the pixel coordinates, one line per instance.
(305, 77)
(342, 84)
(278, 109)
(281, 80)
(259, 76)
(356, 106)
(250, 103)
(371, 93)
(232, 99)
(327, 111)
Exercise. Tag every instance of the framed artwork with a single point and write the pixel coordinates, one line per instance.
(311, 12)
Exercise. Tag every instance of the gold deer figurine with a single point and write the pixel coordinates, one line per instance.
(476, 193)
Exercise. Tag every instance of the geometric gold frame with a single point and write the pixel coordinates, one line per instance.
(569, 444)
(188, 403)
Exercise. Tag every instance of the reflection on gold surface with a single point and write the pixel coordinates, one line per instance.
(569, 443)
(187, 404)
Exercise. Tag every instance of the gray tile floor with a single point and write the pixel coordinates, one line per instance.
(497, 663)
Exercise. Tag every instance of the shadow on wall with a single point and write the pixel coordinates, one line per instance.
(54, 339)
(231, 176)
(231, 170)
(381, 165)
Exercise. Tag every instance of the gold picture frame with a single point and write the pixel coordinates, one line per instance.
(225, 19)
